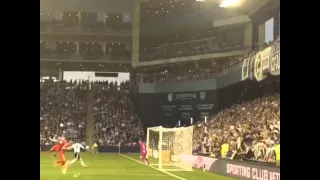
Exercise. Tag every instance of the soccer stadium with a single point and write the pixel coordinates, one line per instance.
(153, 89)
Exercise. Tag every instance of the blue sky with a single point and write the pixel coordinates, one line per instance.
(269, 30)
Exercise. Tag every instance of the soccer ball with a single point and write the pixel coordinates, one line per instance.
(61, 125)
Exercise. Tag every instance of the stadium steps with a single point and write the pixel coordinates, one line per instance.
(89, 129)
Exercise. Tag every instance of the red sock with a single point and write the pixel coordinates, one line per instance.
(62, 162)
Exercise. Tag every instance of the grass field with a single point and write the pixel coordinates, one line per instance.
(105, 166)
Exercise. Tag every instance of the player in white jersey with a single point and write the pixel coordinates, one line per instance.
(77, 149)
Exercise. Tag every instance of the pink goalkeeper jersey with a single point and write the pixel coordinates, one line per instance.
(143, 148)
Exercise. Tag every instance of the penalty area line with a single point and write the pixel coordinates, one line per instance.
(165, 172)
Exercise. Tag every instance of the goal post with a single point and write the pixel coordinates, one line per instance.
(165, 145)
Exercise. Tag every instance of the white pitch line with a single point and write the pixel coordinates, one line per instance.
(165, 172)
(114, 174)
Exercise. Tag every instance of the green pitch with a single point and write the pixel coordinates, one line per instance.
(105, 166)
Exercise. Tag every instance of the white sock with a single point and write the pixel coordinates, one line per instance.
(82, 163)
(73, 161)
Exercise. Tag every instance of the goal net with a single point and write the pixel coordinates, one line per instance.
(165, 145)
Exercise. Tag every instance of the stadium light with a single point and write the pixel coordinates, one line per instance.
(229, 3)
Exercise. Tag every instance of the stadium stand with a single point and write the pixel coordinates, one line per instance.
(88, 49)
(190, 44)
(177, 72)
(251, 129)
(115, 118)
(65, 103)
(202, 70)
(104, 42)
(62, 110)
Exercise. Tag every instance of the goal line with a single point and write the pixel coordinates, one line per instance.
(163, 171)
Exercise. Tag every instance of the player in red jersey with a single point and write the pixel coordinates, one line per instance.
(62, 154)
(57, 147)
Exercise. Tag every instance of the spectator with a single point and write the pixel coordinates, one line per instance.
(114, 113)
(250, 129)
(172, 73)
(62, 110)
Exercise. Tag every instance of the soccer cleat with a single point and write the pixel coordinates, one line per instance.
(86, 167)
(65, 167)
(55, 164)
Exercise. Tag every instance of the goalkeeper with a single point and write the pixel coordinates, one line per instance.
(143, 152)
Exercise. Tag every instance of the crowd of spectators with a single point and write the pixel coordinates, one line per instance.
(62, 110)
(115, 119)
(189, 48)
(195, 74)
(200, 73)
(251, 130)
(174, 75)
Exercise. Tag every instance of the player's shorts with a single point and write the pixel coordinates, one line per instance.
(143, 155)
(77, 156)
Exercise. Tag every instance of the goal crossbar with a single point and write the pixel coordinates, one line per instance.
(162, 129)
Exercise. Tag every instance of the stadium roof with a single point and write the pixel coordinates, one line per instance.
(251, 7)
(161, 7)
(247, 7)
(180, 15)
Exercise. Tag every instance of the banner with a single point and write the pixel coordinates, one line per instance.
(245, 170)
(261, 57)
(251, 65)
(245, 69)
(274, 60)
(197, 161)
(265, 57)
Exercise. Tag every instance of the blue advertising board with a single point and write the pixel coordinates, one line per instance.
(168, 108)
